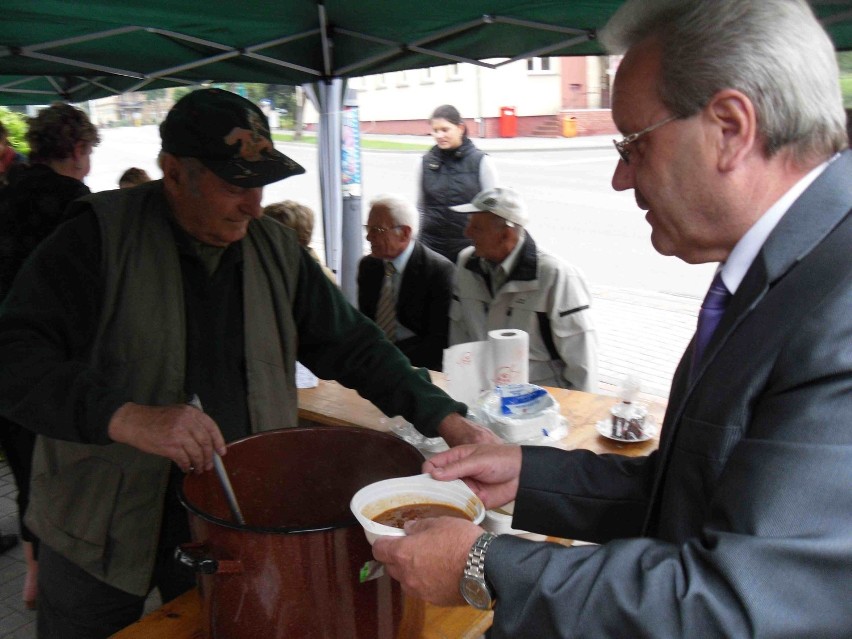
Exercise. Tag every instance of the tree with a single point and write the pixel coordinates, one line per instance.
(844, 61)
(16, 127)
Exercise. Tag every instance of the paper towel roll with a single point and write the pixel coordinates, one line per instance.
(510, 353)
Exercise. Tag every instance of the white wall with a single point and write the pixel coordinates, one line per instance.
(475, 91)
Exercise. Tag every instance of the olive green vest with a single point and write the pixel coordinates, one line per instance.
(101, 506)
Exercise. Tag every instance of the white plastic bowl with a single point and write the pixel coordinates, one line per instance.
(499, 520)
(376, 498)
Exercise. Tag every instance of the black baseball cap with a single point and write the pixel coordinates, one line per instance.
(229, 135)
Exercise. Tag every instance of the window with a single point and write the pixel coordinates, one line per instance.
(538, 65)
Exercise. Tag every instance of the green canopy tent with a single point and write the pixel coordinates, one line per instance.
(77, 51)
(82, 50)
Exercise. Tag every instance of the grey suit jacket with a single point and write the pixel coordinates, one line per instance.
(740, 525)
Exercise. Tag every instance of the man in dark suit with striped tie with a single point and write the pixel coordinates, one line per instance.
(404, 286)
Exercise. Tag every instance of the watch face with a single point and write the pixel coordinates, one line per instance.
(475, 592)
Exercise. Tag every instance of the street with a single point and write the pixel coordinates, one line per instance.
(575, 213)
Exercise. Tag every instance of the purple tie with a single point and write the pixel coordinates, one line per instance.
(712, 309)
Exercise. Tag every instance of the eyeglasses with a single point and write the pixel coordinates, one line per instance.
(378, 230)
(621, 146)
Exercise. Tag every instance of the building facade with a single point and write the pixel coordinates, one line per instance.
(535, 97)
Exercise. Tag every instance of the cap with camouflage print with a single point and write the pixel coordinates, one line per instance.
(229, 135)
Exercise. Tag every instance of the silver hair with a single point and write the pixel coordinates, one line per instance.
(773, 51)
(401, 210)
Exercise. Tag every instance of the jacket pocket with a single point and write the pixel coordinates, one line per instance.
(706, 439)
(83, 498)
(455, 311)
(572, 321)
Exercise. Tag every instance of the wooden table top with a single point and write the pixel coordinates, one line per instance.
(181, 619)
(332, 404)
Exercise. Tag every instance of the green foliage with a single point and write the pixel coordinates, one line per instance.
(282, 96)
(844, 61)
(155, 94)
(179, 92)
(16, 126)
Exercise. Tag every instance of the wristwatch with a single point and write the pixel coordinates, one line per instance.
(473, 585)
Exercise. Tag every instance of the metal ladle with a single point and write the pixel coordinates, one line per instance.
(222, 474)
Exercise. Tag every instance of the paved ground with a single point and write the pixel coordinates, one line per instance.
(15, 620)
(640, 332)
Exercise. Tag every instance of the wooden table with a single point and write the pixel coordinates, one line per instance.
(332, 404)
(181, 619)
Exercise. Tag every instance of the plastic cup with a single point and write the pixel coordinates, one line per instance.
(374, 499)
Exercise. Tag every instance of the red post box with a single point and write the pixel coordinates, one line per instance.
(508, 122)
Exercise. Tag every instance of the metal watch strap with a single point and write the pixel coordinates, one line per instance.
(475, 566)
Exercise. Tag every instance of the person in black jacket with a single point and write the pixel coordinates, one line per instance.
(420, 284)
(34, 203)
(453, 172)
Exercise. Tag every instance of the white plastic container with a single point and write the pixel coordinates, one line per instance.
(539, 419)
(374, 499)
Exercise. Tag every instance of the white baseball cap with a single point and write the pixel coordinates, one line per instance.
(501, 201)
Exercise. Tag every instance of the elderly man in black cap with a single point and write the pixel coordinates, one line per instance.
(151, 295)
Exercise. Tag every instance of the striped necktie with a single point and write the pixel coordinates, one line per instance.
(386, 308)
(712, 309)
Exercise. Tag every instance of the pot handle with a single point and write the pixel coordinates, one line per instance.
(196, 557)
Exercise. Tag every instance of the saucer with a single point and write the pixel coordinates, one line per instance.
(604, 428)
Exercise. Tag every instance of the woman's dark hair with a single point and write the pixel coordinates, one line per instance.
(56, 130)
(449, 113)
(134, 176)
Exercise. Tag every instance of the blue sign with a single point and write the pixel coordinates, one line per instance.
(350, 147)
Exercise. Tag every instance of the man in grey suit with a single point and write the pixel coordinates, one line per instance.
(740, 525)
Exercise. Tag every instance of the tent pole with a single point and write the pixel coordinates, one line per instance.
(327, 98)
(352, 232)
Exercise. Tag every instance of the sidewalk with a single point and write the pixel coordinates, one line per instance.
(643, 333)
(16, 622)
(523, 143)
(501, 145)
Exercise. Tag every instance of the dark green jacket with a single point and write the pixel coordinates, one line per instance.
(98, 503)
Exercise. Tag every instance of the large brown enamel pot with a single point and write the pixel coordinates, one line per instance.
(292, 570)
